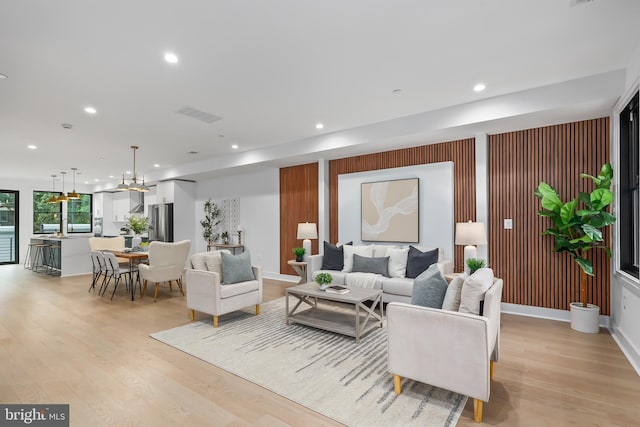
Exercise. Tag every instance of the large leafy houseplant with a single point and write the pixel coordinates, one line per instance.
(577, 224)
(210, 222)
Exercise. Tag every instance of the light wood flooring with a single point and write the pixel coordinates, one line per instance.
(61, 344)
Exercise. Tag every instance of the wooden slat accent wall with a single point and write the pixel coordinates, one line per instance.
(461, 153)
(298, 203)
(518, 162)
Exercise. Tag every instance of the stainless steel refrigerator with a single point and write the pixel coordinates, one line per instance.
(161, 222)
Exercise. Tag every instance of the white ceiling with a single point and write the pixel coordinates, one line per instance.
(273, 69)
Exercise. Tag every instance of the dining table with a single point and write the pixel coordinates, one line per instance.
(134, 258)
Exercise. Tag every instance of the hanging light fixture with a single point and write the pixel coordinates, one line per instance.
(123, 186)
(53, 198)
(63, 197)
(133, 186)
(143, 187)
(72, 195)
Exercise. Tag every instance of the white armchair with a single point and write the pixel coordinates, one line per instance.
(446, 349)
(207, 294)
(166, 264)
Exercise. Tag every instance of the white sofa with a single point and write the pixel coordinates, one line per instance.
(446, 349)
(394, 289)
(207, 294)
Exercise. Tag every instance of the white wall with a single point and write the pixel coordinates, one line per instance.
(625, 290)
(259, 194)
(436, 203)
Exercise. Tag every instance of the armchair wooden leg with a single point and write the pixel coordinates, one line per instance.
(157, 292)
(257, 309)
(179, 282)
(397, 383)
(170, 287)
(491, 363)
(477, 410)
(215, 321)
(144, 289)
(193, 315)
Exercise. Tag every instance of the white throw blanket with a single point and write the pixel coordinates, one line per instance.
(362, 280)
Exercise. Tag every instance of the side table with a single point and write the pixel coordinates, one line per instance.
(450, 276)
(301, 270)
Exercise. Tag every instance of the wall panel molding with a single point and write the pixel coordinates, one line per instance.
(518, 162)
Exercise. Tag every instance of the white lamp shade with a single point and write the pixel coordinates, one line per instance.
(307, 230)
(471, 233)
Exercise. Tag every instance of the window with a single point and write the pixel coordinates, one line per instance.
(46, 216)
(79, 214)
(629, 196)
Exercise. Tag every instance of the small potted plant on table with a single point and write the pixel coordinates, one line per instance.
(299, 253)
(324, 280)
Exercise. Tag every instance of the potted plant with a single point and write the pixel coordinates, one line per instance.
(475, 264)
(210, 222)
(299, 253)
(225, 237)
(577, 229)
(137, 224)
(324, 280)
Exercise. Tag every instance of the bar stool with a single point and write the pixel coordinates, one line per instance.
(39, 260)
(53, 262)
(27, 259)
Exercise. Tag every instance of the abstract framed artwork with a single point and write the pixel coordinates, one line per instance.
(390, 211)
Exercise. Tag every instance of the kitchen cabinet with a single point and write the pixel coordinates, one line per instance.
(121, 207)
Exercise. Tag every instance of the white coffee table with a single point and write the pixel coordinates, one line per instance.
(321, 315)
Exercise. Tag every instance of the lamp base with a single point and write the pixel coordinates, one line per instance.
(306, 244)
(469, 252)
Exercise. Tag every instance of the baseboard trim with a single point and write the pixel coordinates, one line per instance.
(282, 277)
(631, 353)
(544, 313)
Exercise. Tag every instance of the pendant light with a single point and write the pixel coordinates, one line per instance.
(53, 198)
(73, 195)
(143, 187)
(134, 186)
(63, 197)
(123, 186)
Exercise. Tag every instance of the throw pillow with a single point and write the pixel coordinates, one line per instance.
(214, 263)
(473, 290)
(198, 261)
(429, 288)
(454, 291)
(236, 268)
(397, 261)
(349, 251)
(418, 261)
(333, 257)
(363, 264)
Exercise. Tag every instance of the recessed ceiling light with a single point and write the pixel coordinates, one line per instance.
(32, 147)
(90, 110)
(128, 172)
(111, 176)
(96, 179)
(86, 182)
(3, 76)
(171, 58)
(234, 146)
(156, 165)
(479, 87)
(319, 126)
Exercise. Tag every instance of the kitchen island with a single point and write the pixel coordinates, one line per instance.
(74, 255)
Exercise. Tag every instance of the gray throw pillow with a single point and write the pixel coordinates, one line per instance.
(429, 288)
(333, 257)
(365, 264)
(236, 268)
(418, 261)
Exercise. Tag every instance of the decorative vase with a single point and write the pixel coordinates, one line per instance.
(135, 241)
(585, 319)
(324, 286)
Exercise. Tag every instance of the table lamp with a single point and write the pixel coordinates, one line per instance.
(307, 231)
(470, 234)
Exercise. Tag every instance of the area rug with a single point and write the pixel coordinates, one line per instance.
(326, 372)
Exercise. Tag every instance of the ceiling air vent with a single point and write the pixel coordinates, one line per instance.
(194, 113)
(574, 3)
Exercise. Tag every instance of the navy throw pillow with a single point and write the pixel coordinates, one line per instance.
(333, 257)
(418, 261)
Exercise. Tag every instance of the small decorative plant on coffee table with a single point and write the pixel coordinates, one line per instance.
(299, 253)
(324, 280)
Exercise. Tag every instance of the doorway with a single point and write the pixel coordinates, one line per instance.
(9, 226)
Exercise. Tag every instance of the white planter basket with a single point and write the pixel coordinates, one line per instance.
(585, 319)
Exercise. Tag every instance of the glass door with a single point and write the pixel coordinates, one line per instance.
(9, 203)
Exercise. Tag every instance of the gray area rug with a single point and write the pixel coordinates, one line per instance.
(323, 371)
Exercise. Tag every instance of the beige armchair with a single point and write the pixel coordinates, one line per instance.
(207, 294)
(166, 264)
(447, 349)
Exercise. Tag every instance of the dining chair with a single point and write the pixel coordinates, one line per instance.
(115, 271)
(166, 264)
(96, 268)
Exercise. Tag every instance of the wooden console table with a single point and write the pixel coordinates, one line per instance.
(232, 248)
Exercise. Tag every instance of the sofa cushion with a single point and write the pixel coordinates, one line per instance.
(198, 261)
(365, 264)
(397, 261)
(397, 286)
(473, 290)
(429, 288)
(236, 268)
(429, 249)
(349, 250)
(418, 261)
(338, 276)
(380, 250)
(333, 257)
(454, 291)
(239, 288)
